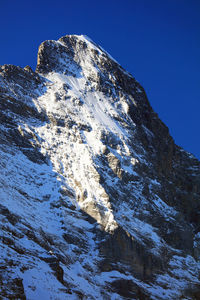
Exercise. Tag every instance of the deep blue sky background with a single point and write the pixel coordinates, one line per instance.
(157, 41)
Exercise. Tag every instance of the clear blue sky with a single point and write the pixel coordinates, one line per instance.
(157, 41)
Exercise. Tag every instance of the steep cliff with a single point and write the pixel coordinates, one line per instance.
(97, 201)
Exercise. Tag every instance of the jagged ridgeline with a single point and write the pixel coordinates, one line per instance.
(97, 201)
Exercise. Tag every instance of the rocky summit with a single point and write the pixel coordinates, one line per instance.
(96, 199)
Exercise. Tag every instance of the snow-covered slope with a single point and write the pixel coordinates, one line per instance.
(97, 202)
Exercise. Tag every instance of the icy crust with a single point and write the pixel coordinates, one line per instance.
(72, 151)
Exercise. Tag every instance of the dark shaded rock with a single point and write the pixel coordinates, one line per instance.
(12, 218)
(13, 289)
(128, 289)
(121, 247)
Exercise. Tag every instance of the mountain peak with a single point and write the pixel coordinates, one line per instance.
(67, 53)
(78, 56)
(97, 201)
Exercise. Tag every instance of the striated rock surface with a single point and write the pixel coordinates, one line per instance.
(97, 201)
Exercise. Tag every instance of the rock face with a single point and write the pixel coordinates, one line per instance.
(97, 201)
